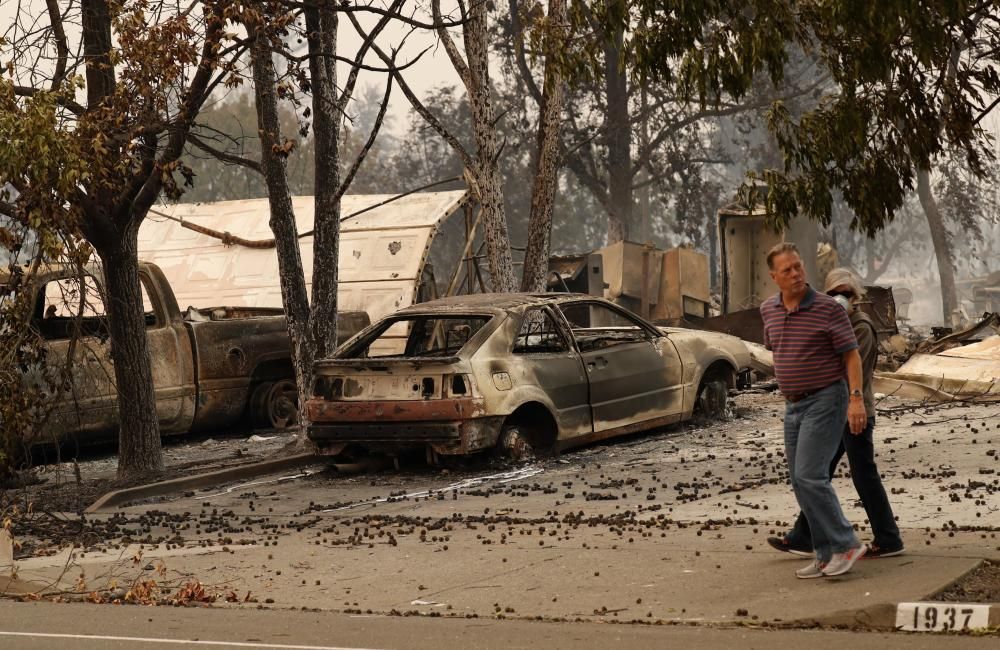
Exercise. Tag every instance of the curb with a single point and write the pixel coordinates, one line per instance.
(11, 587)
(882, 616)
(119, 497)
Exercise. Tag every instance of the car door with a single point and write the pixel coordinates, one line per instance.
(171, 360)
(70, 317)
(544, 356)
(633, 370)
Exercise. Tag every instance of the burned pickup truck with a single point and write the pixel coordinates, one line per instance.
(518, 373)
(212, 367)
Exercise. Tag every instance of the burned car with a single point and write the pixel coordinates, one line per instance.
(516, 373)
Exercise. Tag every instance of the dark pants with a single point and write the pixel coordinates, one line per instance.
(864, 472)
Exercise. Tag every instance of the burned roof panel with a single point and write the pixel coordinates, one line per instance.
(382, 249)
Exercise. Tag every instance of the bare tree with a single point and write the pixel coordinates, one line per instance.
(547, 156)
(482, 171)
(312, 325)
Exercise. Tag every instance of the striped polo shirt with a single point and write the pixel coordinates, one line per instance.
(808, 342)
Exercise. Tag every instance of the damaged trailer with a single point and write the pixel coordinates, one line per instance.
(394, 251)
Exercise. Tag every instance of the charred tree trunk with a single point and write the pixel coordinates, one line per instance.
(942, 247)
(543, 192)
(282, 221)
(139, 450)
(487, 171)
(111, 224)
(95, 18)
(618, 138)
(321, 24)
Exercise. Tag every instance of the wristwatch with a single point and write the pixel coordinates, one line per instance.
(856, 393)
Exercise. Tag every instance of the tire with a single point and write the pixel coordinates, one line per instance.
(256, 411)
(282, 404)
(512, 444)
(274, 405)
(713, 398)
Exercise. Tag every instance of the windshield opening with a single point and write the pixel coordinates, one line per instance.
(418, 336)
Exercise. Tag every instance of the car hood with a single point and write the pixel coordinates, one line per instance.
(703, 340)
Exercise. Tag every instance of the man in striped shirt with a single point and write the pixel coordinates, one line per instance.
(814, 351)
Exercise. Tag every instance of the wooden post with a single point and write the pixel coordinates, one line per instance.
(647, 251)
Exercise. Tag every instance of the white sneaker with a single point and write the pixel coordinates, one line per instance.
(814, 570)
(841, 563)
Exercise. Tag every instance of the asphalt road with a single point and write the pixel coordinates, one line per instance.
(48, 626)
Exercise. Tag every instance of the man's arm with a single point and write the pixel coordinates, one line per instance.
(856, 415)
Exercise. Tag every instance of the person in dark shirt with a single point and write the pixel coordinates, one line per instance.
(814, 351)
(843, 285)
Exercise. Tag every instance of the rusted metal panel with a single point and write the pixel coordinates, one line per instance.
(623, 265)
(989, 321)
(402, 434)
(745, 239)
(444, 437)
(880, 305)
(684, 288)
(394, 411)
(745, 324)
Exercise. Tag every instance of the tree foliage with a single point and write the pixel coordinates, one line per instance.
(912, 80)
(98, 132)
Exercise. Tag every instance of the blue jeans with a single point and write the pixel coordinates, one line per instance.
(813, 430)
(864, 472)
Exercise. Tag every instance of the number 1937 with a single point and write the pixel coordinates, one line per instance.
(942, 618)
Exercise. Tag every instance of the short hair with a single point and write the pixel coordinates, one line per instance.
(780, 249)
(844, 276)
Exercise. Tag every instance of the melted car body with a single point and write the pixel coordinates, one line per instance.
(478, 372)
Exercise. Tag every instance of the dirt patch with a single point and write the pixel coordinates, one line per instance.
(982, 585)
(45, 513)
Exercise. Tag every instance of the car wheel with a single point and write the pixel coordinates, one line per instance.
(282, 404)
(274, 405)
(713, 399)
(513, 444)
(256, 409)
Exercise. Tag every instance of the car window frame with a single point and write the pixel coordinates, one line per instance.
(560, 327)
(651, 332)
(371, 333)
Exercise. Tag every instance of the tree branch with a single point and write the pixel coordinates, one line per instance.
(522, 61)
(352, 62)
(69, 104)
(349, 177)
(356, 65)
(191, 103)
(223, 156)
(591, 182)
(345, 8)
(417, 105)
(451, 49)
(97, 45)
(62, 50)
(986, 111)
(8, 209)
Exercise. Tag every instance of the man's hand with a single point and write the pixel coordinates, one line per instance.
(857, 418)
